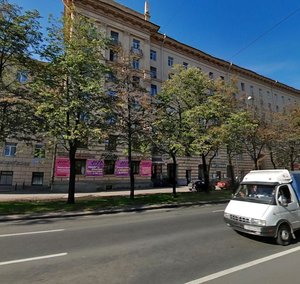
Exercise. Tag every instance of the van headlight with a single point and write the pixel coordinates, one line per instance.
(227, 215)
(258, 222)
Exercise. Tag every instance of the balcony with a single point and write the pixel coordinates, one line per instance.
(136, 52)
(115, 45)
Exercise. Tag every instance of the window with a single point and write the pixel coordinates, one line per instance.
(10, 149)
(111, 143)
(261, 100)
(109, 167)
(136, 44)
(111, 77)
(210, 75)
(135, 64)
(22, 76)
(222, 78)
(80, 167)
(111, 119)
(113, 56)
(251, 90)
(153, 72)
(136, 167)
(170, 61)
(153, 55)
(114, 36)
(270, 107)
(153, 90)
(6, 178)
(37, 178)
(185, 65)
(39, 151)
(243, 86)
(136, 81)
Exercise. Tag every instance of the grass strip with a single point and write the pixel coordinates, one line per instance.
(111, 202)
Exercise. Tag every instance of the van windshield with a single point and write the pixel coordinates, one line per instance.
(256, 193)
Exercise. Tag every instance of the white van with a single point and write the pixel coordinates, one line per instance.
(266, 204)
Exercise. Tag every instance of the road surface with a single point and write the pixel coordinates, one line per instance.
(183, 245)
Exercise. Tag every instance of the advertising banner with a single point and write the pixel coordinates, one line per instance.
(146, 168)
(62, 167)
(122, 168)
(94, 168)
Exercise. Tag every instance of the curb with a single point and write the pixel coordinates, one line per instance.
(20, 217)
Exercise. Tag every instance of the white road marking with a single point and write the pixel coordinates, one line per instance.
(242, 266)
(217, 211)
(32, 258)
(31, 233)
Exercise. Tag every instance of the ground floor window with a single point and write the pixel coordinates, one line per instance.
(37, 178)
(80, 166)
(6, 177)
(109, 167)
(136, 167)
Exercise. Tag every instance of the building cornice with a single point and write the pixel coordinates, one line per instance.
(225, 66)
(117, 11)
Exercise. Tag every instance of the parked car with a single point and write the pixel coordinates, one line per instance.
(222, 184)
(198, 185)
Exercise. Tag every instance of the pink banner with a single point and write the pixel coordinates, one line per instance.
(122, 168)
(94, 168)
(146, 168)
(62, 167)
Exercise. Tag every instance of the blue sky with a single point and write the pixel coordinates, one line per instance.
(261, 35)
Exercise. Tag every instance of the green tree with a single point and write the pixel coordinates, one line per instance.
(207, 119)
(255, 136)
(132, 110)
(284, 145)
(20, 39)
(173, 129)
(71, 98)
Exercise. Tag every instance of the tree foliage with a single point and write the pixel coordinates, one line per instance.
(284, 145)
(70, 87)
(132, 112)
(191, 110)
(20, 39)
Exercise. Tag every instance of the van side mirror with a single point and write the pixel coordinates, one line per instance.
(283, 201)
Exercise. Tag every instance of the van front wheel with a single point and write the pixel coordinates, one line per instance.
(284, 235)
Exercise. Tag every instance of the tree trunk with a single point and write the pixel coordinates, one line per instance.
(205, 173)
(131, 173)
(174, 181)
(272, 160)
(72, 177)
(255, 163)
(291, 162)
(232, 175)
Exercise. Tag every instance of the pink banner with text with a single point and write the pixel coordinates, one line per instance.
(94, 168)
(62, 167)
(146, 168)
(122, 168)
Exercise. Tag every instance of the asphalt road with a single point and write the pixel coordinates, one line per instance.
(181, 245)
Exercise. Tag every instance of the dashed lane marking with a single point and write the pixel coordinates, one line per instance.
(32, 258)
(31, 233)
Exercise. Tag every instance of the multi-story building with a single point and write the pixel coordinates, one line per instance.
(154, 56)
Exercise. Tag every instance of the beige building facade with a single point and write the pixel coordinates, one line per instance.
(155, 54)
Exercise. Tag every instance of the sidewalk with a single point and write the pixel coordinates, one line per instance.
(18, 196)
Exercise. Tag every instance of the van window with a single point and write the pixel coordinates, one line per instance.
(284, 191)
(256, 193)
